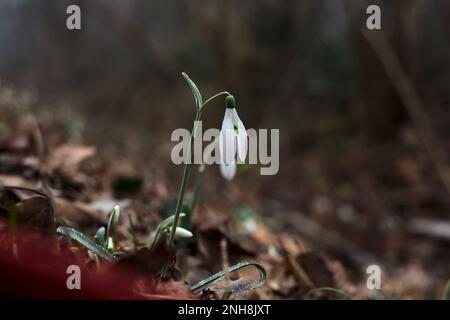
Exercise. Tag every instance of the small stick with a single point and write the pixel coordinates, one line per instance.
(225, 266)
(412, 103)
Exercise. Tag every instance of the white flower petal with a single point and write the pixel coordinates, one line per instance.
(230, 146)
(228, 171)
(182, 233)
(242, 142)
(227, 142)
(226, 124)
(241, 135)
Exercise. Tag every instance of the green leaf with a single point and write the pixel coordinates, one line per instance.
(186, 208)
(88, 243)
(219, 275)
(113, 219)
(187, 205)
(100, 236)
(195, 91)
(153, 238)
(132, 230)
(169, 221)
(377, 294)
(330, 289)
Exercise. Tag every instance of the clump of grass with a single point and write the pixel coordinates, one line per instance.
(88, 243)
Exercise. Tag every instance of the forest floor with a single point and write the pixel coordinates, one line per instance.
(389, 211)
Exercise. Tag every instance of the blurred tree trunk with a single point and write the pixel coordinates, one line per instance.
(384, 110)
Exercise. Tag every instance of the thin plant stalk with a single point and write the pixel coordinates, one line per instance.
(187, 221)
(181, 193)
(198, 178)
(330, 289)
(215, 96)
(199, 110)
(184, 181)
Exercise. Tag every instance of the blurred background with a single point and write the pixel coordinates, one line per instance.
(363, 139)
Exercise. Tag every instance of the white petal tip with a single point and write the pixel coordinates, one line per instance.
(228, 171)
(183, 233)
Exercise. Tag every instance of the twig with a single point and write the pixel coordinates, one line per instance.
(412, 103)
(225, 266)
(300, 274)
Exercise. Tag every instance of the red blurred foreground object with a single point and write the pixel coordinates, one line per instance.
(36, 267)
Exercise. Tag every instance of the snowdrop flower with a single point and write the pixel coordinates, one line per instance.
(232, 141)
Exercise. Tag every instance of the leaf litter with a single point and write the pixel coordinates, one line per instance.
(83, 188)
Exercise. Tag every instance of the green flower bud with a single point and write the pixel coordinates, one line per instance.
(229, 102)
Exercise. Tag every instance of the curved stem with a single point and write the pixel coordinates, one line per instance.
(330, 289)
(219, 275)
(214, 97)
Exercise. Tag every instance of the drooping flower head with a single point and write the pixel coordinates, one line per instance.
(233, 140)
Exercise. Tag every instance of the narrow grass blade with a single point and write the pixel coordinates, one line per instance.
(132, 230)
(219, 275)
(330, 289)
(85, 241)
(113, 219)
(195, 92)
(153, 238)
(100, 236)
(377, 294)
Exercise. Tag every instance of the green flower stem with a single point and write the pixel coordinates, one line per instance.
(198, 179)
(132, 230)
(214, 97)
(185, 178)
(184, 181)
(187, 221)
(308, 295)
(183, 184)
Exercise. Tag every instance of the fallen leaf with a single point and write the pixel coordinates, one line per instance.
(36, 212)
(68, 157)
(77, 214)
(316, 267)
(209, 247)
